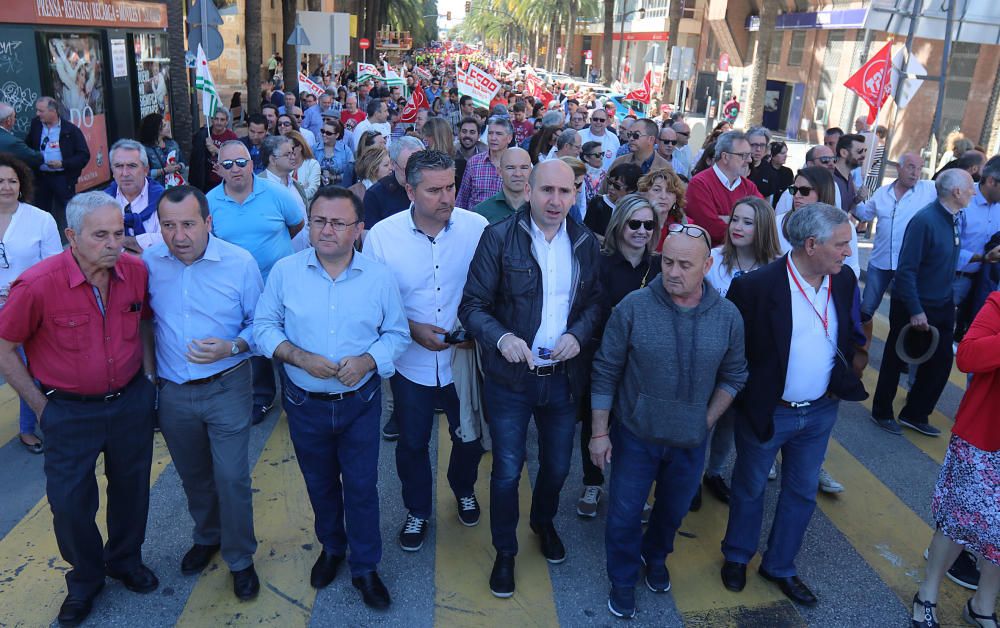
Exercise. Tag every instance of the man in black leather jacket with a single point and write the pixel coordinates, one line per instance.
(531, 298)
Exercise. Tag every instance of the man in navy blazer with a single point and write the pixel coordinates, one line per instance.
(64, 156)
(803, 327)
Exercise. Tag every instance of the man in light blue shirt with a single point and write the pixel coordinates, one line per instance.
(261, 217)
(203, 292)
(977, 223)
(336, 320)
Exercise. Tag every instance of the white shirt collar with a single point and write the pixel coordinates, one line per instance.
(795, 275)
(722, 177)
(536, 232)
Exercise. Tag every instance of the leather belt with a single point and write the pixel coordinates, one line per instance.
(332, 396)
(548, 369)
(212, 378)
(62, 395)
(802, 404)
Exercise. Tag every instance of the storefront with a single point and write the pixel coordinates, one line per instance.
(104, 77)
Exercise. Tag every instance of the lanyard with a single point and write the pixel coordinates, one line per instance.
(824, 317)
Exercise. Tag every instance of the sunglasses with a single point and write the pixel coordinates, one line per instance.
(617, 185)
(592, 155)
(284, 123)
(239, 163)
(827, 160)
(682, 133)
(325, 132)
(634, 135)
(648, 225)
(803, 190)
(668, 142)
(692, 231)
(578, 184)
(598, 119)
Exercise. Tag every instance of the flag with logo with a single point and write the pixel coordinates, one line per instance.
(476, 83)
(367, 72)
(418, 101)
(871, 81)
(534, 86)
(392, 78)
(309, 85)
(203, 82)
(641, 94)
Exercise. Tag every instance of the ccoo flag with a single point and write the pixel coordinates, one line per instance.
(871, 81)
(203, 82)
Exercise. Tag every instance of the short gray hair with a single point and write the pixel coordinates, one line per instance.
(6, 111)
(229, 115)
(407, 142)
(501, 121)
(949, 181)
(815, 220)
(49, 101)
(84, 204)
(126, 144)
(424, 160)
(566, 138)
(725, 142)
(553, 118)
(760, 131)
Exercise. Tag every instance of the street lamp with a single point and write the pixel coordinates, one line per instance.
(621, 35)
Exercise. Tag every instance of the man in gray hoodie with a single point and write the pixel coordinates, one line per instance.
(662, 415)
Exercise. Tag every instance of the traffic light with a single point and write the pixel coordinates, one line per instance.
(468, 6)
(448, 16)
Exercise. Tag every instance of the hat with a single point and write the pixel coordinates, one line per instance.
(501, 110)
(914, 342)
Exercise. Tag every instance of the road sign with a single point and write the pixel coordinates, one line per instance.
(724, 62)
(589, 54)
(364, 44)
(212, 45)
(212, 17)
(721, 76)
(687, 64)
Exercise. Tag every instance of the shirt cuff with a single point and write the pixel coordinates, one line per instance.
(247, 336)
(510, 333)
(268, 341)
(383, 362)
(601, 402)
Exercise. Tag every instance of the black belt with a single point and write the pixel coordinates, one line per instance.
(548, 369)
(332, 396)
(62, 395)
(803, 404)
(212, 378)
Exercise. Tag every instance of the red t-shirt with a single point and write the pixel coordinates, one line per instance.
(357, 116)
(53, 312)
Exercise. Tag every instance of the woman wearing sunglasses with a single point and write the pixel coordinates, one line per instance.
(622, 179)
(336, 159)
(627, 263)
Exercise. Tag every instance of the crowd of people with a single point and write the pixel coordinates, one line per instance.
(557, 262)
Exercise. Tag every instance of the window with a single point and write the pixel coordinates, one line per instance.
(796, 48)
(777, 39)
(961, 67)
(828, 74)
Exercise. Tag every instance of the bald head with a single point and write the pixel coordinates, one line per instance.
(551, 193)
(515, 168)
(685, 261)
(553, 170)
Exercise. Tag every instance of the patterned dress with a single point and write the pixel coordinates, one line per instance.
(966, 503)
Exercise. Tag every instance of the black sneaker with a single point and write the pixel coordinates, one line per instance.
(502, 576)
(411, 537)
(657, 576)
(468, 511)
(964, 572)
(924, 427)
(889, 425)
(621, 602)
(260, 413)
(390, 431)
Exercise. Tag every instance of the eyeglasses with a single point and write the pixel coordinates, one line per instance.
(239, 163)
(592, 155)
(4, 262)
(761, 145)
(634, 135)
(320, 223)
(692, 231)
(803, 190)
(284, 123)
(297, 116)
(668, 142)
(634, 225)
(743, 156)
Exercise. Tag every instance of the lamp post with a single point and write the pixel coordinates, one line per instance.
(621, 34)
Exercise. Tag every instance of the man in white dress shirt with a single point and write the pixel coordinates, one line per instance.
(598, 132)
(428, 249)
(136, 193)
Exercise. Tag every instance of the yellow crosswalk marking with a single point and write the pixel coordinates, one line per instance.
(9, 413)
(31, 572)
(465, 557)
(888, 535)
(283, 519)
(881, 331)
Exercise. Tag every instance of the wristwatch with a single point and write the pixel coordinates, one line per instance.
(235, 350)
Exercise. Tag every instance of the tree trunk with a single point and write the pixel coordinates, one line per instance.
(254, 39)
(180, 98)
(608, 42)
(550, 53)
(674, 26)
(568, 56)
(291, 56)
(758, 80)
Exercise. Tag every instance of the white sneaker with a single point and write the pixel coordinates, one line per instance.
(827, 484)
(587, 504)
(773, 473)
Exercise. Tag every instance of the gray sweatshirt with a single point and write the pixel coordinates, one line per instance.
(659, 365)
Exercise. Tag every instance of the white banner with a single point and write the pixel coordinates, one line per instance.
(476, 83)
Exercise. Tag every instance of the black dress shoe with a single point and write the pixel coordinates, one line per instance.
(246, 584)
(373, 592)
(502, 576)
(793, 588)
(552, 546)
(734, 575)
(138, 580)
(75, 609)
(717, 487)
(197, 558)
(325, 570)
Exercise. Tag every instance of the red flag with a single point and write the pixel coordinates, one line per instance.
(641, 94)
(418, 101)
(533, 86)
(871, 81)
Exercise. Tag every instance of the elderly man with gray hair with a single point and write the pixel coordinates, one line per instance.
(713, 192)
(10, 143)
(759, 138)
(92, 396)
(136, 193)
(803, 326)
(923, 298)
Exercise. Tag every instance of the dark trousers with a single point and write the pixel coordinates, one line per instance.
(548, 399)
(53, 191)
(592, 474)
(76, 432)
(635, 465)
(336, 443)
(264, 387)
(932, 375)
(414, 409)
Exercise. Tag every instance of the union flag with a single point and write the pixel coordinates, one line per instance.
(871, 81)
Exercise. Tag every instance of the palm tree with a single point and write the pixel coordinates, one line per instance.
(291, 56)
(180, 123)
(607, 41)
(254, 40)
(762, 52)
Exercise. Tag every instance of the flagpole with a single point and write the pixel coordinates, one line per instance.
(882, 96)
(907, 48)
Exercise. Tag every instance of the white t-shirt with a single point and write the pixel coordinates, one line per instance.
(609, 144)
(31, 237)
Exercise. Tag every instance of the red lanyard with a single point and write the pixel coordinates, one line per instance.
(824, 317)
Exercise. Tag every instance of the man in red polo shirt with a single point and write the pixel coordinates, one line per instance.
(77, 315)
(713, 192)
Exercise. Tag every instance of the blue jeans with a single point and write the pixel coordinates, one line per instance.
(635, 464)
(28, 420)
(414, 406)
(336, 443)
(877, 281)
(548, 399)
(721, 443)
(801, 434)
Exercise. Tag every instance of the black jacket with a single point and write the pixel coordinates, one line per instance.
(503, 294)
(200, 161)
(764, 298)
(75, 153)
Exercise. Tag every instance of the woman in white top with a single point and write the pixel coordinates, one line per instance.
(307, 171)
(751, 242)
(27, 235)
